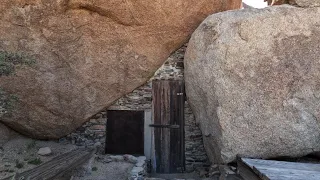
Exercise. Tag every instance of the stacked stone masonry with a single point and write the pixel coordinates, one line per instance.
(94, 131)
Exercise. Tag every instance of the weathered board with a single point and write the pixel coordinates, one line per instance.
(125, 132)
(57, 167)
(168, 119)
(257, 169)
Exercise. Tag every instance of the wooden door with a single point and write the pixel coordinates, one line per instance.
(168, 119)
(125, 132)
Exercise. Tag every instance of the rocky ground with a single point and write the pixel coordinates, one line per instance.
(102, 171)
(21, 154)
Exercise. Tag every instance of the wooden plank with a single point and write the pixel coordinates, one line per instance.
(57, 167)
(50, 165)
(288, 174)
(158, 103)
(280, 170)
(168, 111)
(281, 164)
(246, 171)
(165, 119)
(177, 118)
(174, 141)
(180, 99)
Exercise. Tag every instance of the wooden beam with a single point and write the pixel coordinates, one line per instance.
(246, 171)
(57, 167)
(258, 169)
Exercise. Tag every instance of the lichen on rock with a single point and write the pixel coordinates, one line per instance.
(7, 102)
(9, 61)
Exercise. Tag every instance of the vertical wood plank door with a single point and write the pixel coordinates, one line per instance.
(168, 119)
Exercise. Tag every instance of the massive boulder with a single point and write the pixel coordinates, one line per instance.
(279, 2)
(253, 82)
(300, 3)
(69, 59)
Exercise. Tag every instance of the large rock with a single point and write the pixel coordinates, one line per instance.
(253, 81)
(87, 53)
(308, 3)
(301, 3)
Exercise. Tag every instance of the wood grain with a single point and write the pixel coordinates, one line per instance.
(168, 111)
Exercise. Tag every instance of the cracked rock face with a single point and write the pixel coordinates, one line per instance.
(253, 82)
(88, 53)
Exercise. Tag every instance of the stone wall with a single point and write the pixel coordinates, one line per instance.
(94, 131)
(196, 156)
(91, 133)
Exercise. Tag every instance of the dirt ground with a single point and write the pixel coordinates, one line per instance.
(101, 171)
(20, 154)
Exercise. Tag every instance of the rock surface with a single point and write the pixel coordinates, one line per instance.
(88, 53)
(308, 3)
(300, 3)
(6, 134)
(279, 2)
(253, 82)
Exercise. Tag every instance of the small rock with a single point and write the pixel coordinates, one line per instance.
(142, 158)
(140, 164)
(214, 173)
(103, 159)
(189, 169)
(141, 161)
(224, 169)
(130, 158)
(203, 173)
(46, 151)
(137, 170)
(97, 144)
(215, 166)
(233, 168)
(117, 158)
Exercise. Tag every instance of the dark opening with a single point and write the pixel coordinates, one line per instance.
(125, 132)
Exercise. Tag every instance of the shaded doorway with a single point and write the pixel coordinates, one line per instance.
(125, 132)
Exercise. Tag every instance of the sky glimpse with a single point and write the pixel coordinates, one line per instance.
(256, 3)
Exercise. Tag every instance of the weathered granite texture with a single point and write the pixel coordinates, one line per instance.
(88, 54)
(253, 82)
